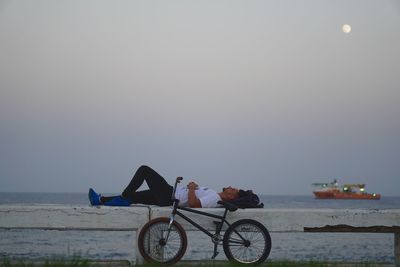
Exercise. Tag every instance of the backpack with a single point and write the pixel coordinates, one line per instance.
(247, 199)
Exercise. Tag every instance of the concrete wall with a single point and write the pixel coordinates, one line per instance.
(134, 217)
(294, 220)
(73, 217)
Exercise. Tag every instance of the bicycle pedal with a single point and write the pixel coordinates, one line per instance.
(215, 255)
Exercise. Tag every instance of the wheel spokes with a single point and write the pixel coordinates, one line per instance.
(158, 247)
(247, 243)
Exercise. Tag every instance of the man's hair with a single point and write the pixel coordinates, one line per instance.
(247, 199)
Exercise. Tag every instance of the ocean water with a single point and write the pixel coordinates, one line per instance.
(116, 245)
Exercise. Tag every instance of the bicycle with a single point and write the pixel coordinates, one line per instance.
(163, 240)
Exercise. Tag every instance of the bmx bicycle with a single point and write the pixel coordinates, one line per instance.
(163, 240)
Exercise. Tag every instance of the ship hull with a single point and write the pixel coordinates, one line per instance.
(343, 195)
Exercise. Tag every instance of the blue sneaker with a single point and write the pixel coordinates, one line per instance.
(94, 198)
(118, 201)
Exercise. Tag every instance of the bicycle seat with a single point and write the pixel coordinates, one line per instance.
(227, 205)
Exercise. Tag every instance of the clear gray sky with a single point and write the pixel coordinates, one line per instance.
(269, 95)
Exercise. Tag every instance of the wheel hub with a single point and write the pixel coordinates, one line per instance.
(162, 242)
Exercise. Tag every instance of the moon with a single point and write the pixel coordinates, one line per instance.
(346, 28)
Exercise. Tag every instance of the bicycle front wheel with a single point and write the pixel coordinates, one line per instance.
(159, 244)
(247, 241)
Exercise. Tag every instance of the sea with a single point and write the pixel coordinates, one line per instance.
(120, 245)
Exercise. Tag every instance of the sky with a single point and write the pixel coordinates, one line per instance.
(263, 95)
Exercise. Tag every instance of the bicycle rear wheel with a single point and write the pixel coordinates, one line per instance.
(247, 242)
(156, 245)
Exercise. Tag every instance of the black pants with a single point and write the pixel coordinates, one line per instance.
(159, 192)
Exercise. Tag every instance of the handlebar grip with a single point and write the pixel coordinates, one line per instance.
(178, 180)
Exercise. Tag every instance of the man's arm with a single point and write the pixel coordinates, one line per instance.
(194, 202)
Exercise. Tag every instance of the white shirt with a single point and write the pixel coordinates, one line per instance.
(208, 197)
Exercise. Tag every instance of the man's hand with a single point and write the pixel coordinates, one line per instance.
(194, 202)
(192, 186)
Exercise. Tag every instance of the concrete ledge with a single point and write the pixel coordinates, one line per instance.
(63, 217)
(294, 220)
(134, 217)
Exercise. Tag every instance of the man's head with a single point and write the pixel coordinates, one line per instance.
(229, 193)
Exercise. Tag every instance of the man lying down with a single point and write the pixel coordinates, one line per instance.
(160, 192)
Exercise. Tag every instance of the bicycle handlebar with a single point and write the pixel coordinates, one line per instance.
(177, 181)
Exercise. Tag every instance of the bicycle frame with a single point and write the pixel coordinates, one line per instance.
(175, 211)
(215, 238)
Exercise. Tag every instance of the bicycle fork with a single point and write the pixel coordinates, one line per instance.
(171, 221)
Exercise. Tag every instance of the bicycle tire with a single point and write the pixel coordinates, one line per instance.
(255, 247)
(152, 244)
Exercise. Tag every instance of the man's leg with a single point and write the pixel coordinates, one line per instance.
(139, 197)
(144, 197)
(159, 188)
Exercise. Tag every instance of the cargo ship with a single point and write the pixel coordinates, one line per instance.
(347, 191)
